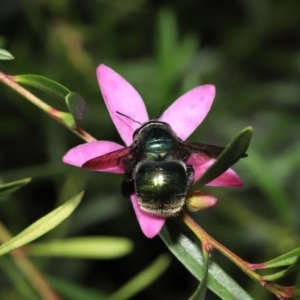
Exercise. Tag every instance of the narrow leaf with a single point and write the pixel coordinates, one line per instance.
(143, 279)
(282, 273)
(5, 55)
(265, 180)
(76, 105)
(10, 187)
(167, 35)
(235, 150)
(42, 225)
(63, 117)
(200, 292)
(44, 84)
(72, 290)
(13, 274)
(191, 257)
(83, 247)
(286, 259)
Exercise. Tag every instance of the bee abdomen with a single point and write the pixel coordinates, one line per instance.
(161, 187)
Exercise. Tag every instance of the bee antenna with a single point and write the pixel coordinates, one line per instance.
(119, 113)
(161, 111)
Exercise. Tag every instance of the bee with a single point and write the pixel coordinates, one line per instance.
(155, 167)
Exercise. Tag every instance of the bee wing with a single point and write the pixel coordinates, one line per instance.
(108, 160)
(204, 149)
(201, 153)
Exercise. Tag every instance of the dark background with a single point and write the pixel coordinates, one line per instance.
(249, 49)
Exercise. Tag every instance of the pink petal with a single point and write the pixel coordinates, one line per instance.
(228, 178)
(80, 154)
(120, 95)
(188, 111)
(150, 224)
(197, 159)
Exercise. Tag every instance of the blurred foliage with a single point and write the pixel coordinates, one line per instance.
(249, 49)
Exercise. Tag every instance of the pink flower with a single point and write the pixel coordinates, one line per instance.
(184, 116)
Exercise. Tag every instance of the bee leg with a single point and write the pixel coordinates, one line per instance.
(190, 175)
(127, 187)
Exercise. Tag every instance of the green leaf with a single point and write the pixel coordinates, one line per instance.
(5, 55)
(65, 118)
(191, 257)
(74, 102)
(169, 50)
(235, 150)
(72, 290)
(10, 187)
(44, 84)
(143, 279)
(200, 292)
(17, 279)
(83, 247)
(76, 105)
(265, 179)
(286, 259)
(282, 273)
(167, 35)
(42, 225)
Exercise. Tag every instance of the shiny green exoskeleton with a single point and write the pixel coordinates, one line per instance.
(155, 167)
(157, 170)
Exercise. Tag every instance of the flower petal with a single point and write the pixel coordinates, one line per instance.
(197, 159)
(80, 154)
(188, 111)
(228, 178)
(150, 224)
(120, 95)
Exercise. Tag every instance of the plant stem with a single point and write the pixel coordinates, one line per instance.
(209, 243)
(52, 112)
(28, 269)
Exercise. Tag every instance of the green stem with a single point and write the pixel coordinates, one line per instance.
(210, 242)
(52, 112)
(143, 279)
(201, 291)
(17, 279)
(28, 269)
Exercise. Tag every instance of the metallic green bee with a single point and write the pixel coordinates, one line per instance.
(155, 167)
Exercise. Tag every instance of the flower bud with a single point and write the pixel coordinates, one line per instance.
(198, 201)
